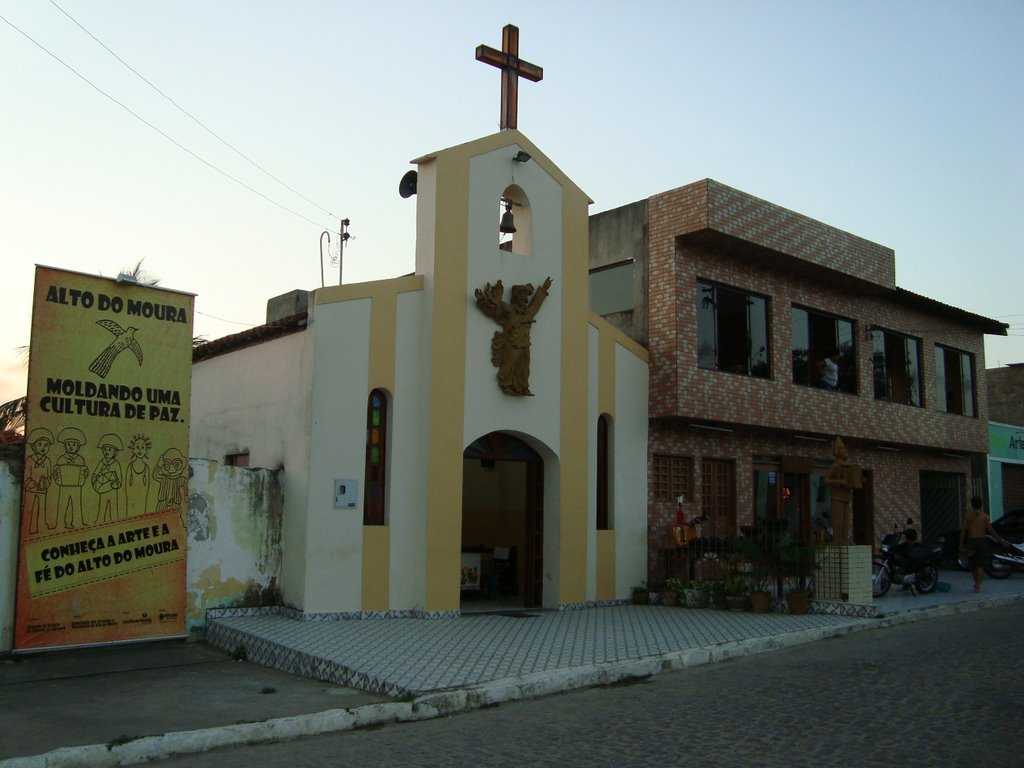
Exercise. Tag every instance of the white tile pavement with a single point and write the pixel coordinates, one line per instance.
(403, 657)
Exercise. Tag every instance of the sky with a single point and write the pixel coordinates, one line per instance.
(217, 140)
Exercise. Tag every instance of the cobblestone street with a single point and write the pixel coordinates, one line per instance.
(947, 691)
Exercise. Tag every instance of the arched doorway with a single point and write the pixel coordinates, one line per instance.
(502, 524)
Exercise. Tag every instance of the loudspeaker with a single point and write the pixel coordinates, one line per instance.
(407, 186)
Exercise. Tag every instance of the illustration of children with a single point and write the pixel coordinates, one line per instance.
(136, 481)
(38, 470)
(106, 480)
(171, 471)
(69, 475)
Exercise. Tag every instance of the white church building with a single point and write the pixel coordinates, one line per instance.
(471, 432)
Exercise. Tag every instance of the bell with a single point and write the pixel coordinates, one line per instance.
(508, 224)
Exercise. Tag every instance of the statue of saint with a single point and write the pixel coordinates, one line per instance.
(510, 347)
(839, 479)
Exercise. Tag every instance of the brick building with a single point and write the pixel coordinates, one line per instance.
(1006, 394)
(739, 302)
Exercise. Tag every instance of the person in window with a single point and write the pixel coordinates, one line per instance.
(828, 370)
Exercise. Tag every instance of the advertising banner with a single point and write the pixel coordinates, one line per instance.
(104, 515)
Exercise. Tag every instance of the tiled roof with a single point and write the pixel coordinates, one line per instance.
(984, 324)
(261, 333)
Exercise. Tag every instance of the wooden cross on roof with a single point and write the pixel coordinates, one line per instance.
(512, 67)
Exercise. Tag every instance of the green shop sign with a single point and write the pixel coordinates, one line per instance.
(1005, 441)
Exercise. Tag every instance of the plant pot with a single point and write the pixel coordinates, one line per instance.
(670, 598)
(797, 602)
(641, 598)
(760, 602)
(736, 602)
(695, 598)
(718, 600)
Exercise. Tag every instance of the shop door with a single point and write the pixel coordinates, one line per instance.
(718, 497)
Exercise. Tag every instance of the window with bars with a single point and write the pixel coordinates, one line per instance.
(376, 458)
(672, 477)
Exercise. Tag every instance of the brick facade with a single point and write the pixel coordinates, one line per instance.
(707, 231)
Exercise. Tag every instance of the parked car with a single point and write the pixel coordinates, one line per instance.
(1010, 526)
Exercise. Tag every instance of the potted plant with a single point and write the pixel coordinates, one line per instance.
(758, 571)
(735, 591)
(797, 562)
(696, 594)
(674, 592)
(717, 594)
(760, 592)
(640, 594)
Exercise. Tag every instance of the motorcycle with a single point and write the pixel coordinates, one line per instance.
(902, 560)
(1003, 561)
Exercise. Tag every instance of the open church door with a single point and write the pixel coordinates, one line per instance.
(502, 524)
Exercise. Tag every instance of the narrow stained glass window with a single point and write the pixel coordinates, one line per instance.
(376, 459)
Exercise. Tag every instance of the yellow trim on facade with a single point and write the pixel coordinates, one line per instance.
(606, 374)
(447, 383)
(574, 451)
(371, 289)
(375, 577)
(605, 587)
(604, 327)
(383, 341)
(504, 139)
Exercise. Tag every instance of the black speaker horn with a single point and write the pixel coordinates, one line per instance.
(407, 186)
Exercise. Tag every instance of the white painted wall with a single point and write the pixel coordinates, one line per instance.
(10, 516)
(630, 470)
(407, 466)
(334, 537)
(487, 408)
(259, 398)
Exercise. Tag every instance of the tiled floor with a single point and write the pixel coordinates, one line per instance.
(398, 657)
(404, 656)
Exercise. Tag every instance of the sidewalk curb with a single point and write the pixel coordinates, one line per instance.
(445, 703)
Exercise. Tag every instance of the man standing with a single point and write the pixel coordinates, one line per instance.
(973, 539)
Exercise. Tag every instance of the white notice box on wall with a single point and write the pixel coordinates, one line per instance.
(346, 494)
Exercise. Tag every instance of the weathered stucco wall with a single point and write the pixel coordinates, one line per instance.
(11, 464)
(234, 539)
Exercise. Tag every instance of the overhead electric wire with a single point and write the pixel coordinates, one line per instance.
(221, 319)
(143, 120)
(192, 117)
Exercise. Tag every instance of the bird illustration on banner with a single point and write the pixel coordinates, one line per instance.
(124, 338)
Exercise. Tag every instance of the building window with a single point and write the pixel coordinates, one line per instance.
(603, 474)
(672, 477)
(376, 458)
(897, 367)
(954, 381)
(239, 459)
(820, 342)
(732, 331)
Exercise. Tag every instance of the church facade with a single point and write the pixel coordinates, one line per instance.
(472, 430)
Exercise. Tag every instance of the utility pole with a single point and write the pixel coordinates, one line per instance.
(343, 236)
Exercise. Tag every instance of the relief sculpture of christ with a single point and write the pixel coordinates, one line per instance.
(510, 347)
